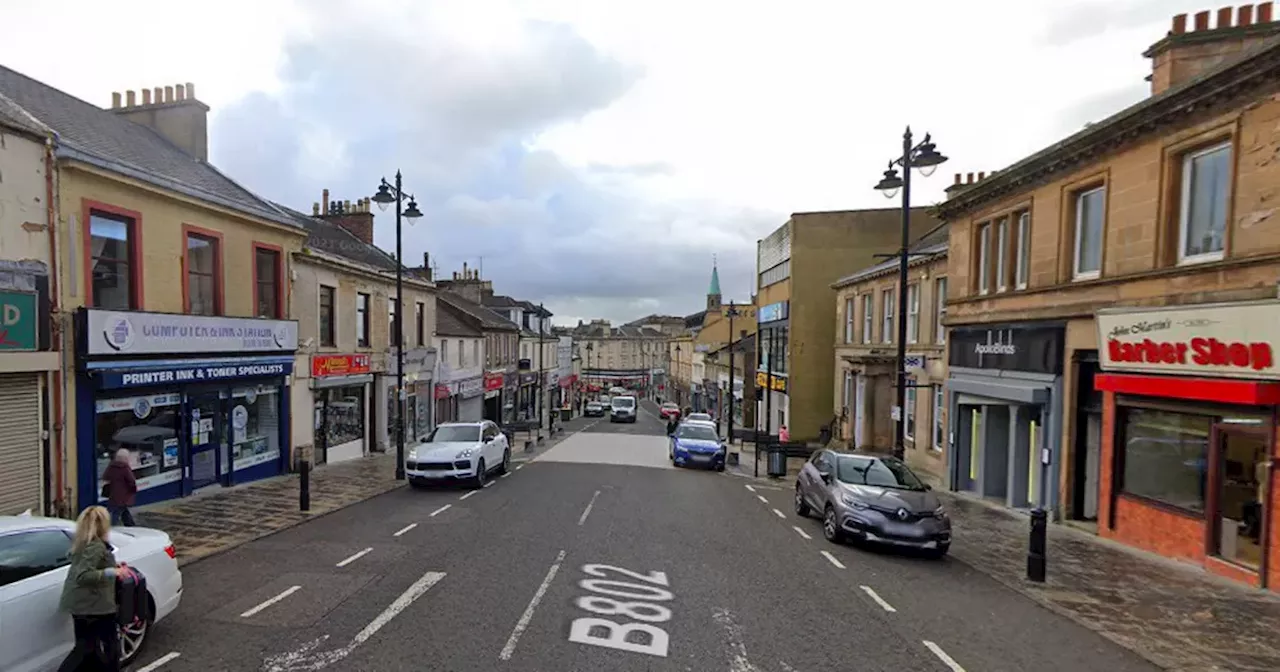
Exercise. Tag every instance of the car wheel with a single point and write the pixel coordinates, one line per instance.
(482, 474)
(719, 467)
(830, 528)
(133, 639)
(506, 462)
(802, 509)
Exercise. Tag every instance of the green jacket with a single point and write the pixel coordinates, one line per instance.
(90, 589)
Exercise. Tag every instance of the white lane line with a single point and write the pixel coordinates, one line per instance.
(879, 600)
(527, 616)
(519, 467)
(288, 591)
(780, 514)
(587, 511)
(761, 498)
(441, 510)
(155, 664)
(469, 494)
(355, 557)
(404, 529)
(801, 532)
(749, 488)
(942, 655)
(489, 484)
(832, 559)
(505, 475)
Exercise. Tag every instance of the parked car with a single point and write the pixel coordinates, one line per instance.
(622, 409)
(459, 451)
(695, 444)
(872, 498)
(668, 411)
(700, 417)
(594, 409)
(34, 556)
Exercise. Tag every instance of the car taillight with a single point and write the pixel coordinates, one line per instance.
(172, 551)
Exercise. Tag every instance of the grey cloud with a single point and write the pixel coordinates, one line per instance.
(1098, 107)
(1083, 20)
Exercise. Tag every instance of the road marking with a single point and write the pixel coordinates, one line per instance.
(527, 616)
(801, 532)
(762, 499)
(623, 619)
(832, 559)
(749, 488)
(306, 658)
(505, 475)
(780, 514)
(519, 467)
(441, 510)
(469, 494)
(738, 661)
(879, 600)
(155, 664)
(355, 557)
(942, 655)
(288, 591)
(404, 529)
(489, 484)
(587, 511)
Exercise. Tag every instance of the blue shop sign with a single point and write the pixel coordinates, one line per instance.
(190, 373)
(773, 312)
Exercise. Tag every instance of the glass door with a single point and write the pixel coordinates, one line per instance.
(204, 438)
(1243, 466)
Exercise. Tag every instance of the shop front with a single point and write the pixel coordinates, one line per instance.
(419, 363)
(510, 395)
(471, 399)
(493, 396)
(1191, 402)
(773, 390)
(773, 337)
(447, 402)
(340, 386)
(196, 401)
(528, 396)
(1006, 410)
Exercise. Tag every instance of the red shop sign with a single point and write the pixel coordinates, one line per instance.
(442, 391)
(338, 365)
(492, 381)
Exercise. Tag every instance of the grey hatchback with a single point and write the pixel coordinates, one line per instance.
(872, 498)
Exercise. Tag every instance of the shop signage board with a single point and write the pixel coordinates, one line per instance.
(1240, 340)
(128, 333)
(492, 381)
(773, 312)
(18, 319)
(339, 365)
(1028, 348)
(471, 387)
(779, 382)
(190, 374)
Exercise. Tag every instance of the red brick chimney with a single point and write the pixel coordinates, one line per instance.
(1184, 54)
(356, 217)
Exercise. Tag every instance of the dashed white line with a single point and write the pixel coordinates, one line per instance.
(527, 616)
(489, 484)
(878, 600)
(762, 499)
(587, 511)
(942, 655)
(155, 664)
(288, 591)
(801, 532)
(441, 510)
(404, 529)
(519, 467)
(780, 514)
(749, 488)
(355, 557)
(505, 475)
(469, 494)
(832, 559)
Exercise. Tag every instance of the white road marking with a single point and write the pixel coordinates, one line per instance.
(441, 510)
(303, 657)
(879, 600)
(942, 655)
(404, 529)
(527, 616)
(155, 664)
(518, 468)
(738, 661)
(469, 494)
(749, 488)
(762, 499)
(780, 514)
(587, 511)
(505, 475)
(489, 484)
(355, 557)
(288, 591)
(801, 532)
(832, 559)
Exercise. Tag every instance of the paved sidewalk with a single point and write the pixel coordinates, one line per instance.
(1171, 613)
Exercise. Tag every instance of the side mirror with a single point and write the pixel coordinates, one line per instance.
(826, 476)
(928, 487)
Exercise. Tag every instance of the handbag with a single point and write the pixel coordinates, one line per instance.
(106, 490)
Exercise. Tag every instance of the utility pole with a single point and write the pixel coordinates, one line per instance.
(540, 392)
(733, 312)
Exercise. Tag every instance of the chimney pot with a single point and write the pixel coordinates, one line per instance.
(1179, 24)
(1202, 20)
(1224, 17)
(168, 94)
(191, 91)
(115, 99)
(1244, 17)
(426, 260)
(315, 209)
(146, 97)
(1264, 12)
(982, 176)
(324, 201)
(180, 92)
(346, 207)
(968, 179)
(129, 99)
(958, 178)
(159, 94)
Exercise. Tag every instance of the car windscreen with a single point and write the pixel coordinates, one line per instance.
(697, 433)
(454, 433)
(624, 402)
(878, 472)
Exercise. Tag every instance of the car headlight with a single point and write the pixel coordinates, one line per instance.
(465, 452)
(940, 512)
(412, 456)
(855, 503)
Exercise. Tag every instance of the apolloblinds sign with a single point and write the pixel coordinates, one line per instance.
(1219, 340)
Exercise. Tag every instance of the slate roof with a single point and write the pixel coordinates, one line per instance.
(933, 245)
(626, 332)
(104, 138)
(451, 321)
(695, 320)
(13, 116)
(330, 238)
(489, 320)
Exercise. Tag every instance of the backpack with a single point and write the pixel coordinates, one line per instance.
(131, 596)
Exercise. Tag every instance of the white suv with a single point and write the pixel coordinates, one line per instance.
(623, 409)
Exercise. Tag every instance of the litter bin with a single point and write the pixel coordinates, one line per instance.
(566, 414)
(777, 461)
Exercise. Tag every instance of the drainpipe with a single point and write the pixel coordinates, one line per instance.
(59, 504)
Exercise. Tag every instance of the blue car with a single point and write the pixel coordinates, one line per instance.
(696, 445)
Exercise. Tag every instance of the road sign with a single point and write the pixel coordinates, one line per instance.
(913, 362)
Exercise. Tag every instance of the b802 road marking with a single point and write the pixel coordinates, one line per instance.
(638, 601)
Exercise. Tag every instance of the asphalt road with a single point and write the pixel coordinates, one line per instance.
(697, 571)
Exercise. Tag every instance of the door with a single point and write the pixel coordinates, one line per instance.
(20, 444)
(1242, 464)
(859, 410)
(34, 634)
(204, 439)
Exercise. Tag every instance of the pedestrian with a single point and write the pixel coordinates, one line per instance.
(783, 435)
(89, 594)
(121, 487)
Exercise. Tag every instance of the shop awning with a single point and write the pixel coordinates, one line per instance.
(1249, 392)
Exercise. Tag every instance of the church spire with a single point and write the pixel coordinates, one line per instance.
(713, 292)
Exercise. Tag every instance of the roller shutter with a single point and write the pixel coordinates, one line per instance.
(20, 444)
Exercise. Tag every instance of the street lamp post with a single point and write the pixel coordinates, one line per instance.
(388, 194)
(540, 393)
(591, 347)
(680, 393)
(731, 313)
(925, 157)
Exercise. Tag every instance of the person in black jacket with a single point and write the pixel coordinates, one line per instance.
(89, 593)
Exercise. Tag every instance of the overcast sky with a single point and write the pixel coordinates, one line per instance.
(597, 154)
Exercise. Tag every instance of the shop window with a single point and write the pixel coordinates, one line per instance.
(343, 415)
(328, 331)
(1244, 471)
(362, 319)
(1206, 192)
(146, 427)
(255, 426)
(112, 259)
(1090, 213)
(267, 277)
(204, 271)
(939, 311)
(1165, 457)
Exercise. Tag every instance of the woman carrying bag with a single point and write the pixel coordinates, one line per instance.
(89, 593)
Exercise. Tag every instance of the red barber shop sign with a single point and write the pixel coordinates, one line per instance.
(1220, 340)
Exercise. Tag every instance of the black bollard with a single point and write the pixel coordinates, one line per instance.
(304, 485)
(1036, 547)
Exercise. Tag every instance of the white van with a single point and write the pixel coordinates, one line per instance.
(623, 409)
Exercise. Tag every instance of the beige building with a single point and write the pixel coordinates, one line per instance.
(624, 355)
(866, 333)
(460, 345)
